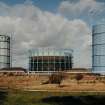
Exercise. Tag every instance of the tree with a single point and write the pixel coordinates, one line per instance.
(79, 77)
(55, 78)
(10, 74)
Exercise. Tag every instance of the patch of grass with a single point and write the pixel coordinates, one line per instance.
(35, 98)
(25, 98)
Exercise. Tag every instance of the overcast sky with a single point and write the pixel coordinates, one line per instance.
(51, 23)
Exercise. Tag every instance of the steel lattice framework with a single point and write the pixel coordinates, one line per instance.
(50, 59)
(4, 51)
(98, 48)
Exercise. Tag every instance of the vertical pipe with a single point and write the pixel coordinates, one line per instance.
(48, 60)
(37, 58)
(69, 62)
(42, 58)
(60, 60)
(54, 59)
(29, 61)
(65, 60)
(33, 61)
(92, 51)
(11, 48)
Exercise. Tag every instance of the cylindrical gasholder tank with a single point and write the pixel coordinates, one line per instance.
(4, 51)
(98, 49)
(50, 59)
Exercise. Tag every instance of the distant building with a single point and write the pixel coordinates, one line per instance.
(50, 59)
(14, 70)
(79, 70)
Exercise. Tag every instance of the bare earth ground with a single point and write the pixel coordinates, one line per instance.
(33, 82)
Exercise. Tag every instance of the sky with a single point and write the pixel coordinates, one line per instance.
(49, 5)
(51, 23)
